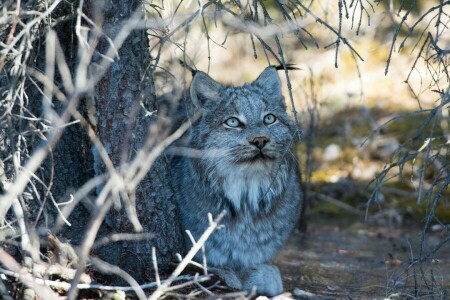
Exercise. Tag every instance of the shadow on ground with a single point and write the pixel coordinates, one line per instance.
(350, 260)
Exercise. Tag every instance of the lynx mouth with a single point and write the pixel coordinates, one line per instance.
(259, 157)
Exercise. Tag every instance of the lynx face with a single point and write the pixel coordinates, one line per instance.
(246, 136)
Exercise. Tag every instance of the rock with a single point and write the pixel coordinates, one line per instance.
(301, 293)
(331, 153)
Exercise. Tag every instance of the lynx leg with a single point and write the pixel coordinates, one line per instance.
(266, 278)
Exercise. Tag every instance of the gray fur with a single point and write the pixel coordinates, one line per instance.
(265, 277)
(261, 196)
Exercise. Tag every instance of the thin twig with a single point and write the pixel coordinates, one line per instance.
(195, 248)
(93, 286)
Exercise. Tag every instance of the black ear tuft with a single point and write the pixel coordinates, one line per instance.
(204, 88)
(188, 67)
(288, 67)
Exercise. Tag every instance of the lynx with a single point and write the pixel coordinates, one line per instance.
(246, 167)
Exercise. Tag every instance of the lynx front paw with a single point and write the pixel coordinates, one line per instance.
(228, 276)
(266, 279)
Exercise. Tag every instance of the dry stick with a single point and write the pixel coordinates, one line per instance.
(141, 168)
(112, 269)
(22, 274)
(195, 248)
(407, 156)
(294, 27)
(50, 55)
(396, 33)
(203, 289)
(25, 237)
(155, 266)
(79, 195)
(57, 205)
(202, 266)
(194, 280)
(309, 139)
(63, 68)
(32, 165)
(113, 183)
(185, 23)
(84, 286)
(320, 21)
(81, 87)
(338, 42)
(282, 61)
(419, 20)
(425, 163)
(438, 22)
(165, 38)
(95, 141)
(255, 30)
(115, 237)
(11, 32)
(338, 203)
(205, 265)
(423, 258)
(207, 39)
(267, 30)
(28, 26)
(95, 223)
(362, 10)
(48, 192)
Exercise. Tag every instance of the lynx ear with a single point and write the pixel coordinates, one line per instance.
(270, 82)
(203, 88)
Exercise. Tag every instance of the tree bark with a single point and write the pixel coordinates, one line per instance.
(123, 128)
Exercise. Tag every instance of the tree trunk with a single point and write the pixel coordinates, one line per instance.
(122, 127)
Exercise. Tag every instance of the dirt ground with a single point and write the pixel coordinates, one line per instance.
(349, 259)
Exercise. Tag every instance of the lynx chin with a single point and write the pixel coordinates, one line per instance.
(246, 167)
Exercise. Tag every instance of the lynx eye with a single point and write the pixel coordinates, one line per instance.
(233, 122)
(269, 119)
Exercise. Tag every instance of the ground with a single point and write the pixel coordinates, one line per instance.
(350, 259)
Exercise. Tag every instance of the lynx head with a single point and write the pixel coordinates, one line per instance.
(246, 137)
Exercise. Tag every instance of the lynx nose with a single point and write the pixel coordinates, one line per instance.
(259, 141)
